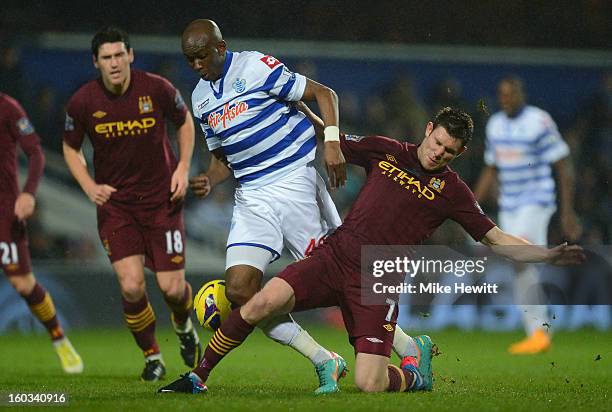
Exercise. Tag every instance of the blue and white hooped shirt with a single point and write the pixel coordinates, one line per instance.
(247, 113)
(522, 148)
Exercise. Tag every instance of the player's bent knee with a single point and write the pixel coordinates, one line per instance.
(242, 283)
(132, 290)
(23, 284)
(369, 383)
(260, 307)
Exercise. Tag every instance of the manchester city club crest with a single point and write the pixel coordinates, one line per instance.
(145, 104)
(436, 184)
(239, 85)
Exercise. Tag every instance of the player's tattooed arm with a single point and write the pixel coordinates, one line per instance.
(217, 172)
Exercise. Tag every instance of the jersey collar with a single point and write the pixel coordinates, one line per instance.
(228, 61)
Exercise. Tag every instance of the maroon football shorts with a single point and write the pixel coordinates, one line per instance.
(157, 233)
(321, 281)
(14, 252)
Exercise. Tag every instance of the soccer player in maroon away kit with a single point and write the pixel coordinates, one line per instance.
(388, 211)
(17, 207)
(139, 187)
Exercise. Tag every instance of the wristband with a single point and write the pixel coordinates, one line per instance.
(332, 134)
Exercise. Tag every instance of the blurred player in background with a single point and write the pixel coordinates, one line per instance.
(139, 187)
(522, 143)
(244, 102)
(16, 207)
(391, 209)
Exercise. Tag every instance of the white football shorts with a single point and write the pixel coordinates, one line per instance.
(529, 222)
(296, 212)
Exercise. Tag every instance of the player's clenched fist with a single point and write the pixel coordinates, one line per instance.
(99, 194)
(200, 185)
(335, 163)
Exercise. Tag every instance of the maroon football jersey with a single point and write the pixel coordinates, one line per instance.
(132, 152)
(15, 128)
(400, 202)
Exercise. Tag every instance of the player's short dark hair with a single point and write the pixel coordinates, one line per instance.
(457, 123)
(109, 34)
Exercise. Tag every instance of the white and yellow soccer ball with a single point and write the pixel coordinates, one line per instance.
(211, 305)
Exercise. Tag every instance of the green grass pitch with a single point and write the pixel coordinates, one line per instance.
(472, 373)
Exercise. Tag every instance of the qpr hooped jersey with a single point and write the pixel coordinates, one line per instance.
(522, 148)
(247, 113)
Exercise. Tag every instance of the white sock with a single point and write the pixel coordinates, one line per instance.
(184, 328)
(284, 330)
(403, 344)
(156, 356)
(534, 316)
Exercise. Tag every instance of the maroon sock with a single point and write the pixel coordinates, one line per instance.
(400, 380)
(181, 308)
(41, 305)
(231, 334)
(140, 320)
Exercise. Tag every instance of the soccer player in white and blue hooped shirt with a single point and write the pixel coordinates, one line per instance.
(522, 144)
(244, 102)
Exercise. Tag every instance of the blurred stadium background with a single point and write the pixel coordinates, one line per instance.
(393, 64)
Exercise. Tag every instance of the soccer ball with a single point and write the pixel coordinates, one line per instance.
(211, 305)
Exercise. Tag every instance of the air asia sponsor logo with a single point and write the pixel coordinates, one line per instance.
(125, 128)
(404, 179)
(227, 114)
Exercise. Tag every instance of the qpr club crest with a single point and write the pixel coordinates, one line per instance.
(239, 85)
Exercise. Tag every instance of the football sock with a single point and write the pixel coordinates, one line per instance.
(231, 334)
(403, 344)
(527, 281)
(41, 305)
(181, 308)
(286, 331)
(400, 380)
(140, 320)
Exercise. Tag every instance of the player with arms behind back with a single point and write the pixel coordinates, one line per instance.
(16, 207)
(332, 275)
(138, 188)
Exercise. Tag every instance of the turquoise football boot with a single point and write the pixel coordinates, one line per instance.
(329, 373)
(422, 363)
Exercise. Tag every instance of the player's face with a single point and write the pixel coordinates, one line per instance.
(114, 61)
(438, 148)
(510, 97)
(206, 59)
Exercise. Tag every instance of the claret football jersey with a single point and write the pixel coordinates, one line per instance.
(400, 202)
(128, 133)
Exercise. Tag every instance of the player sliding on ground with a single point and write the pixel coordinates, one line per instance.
(331, 276)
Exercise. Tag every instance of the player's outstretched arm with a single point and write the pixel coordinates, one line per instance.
(217, 172)
(99, 194)
(520, 250)
(185, 136)
(327, 100)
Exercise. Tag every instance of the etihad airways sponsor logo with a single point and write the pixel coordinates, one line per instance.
(404, 179)
(227, 114)
(125, 128)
